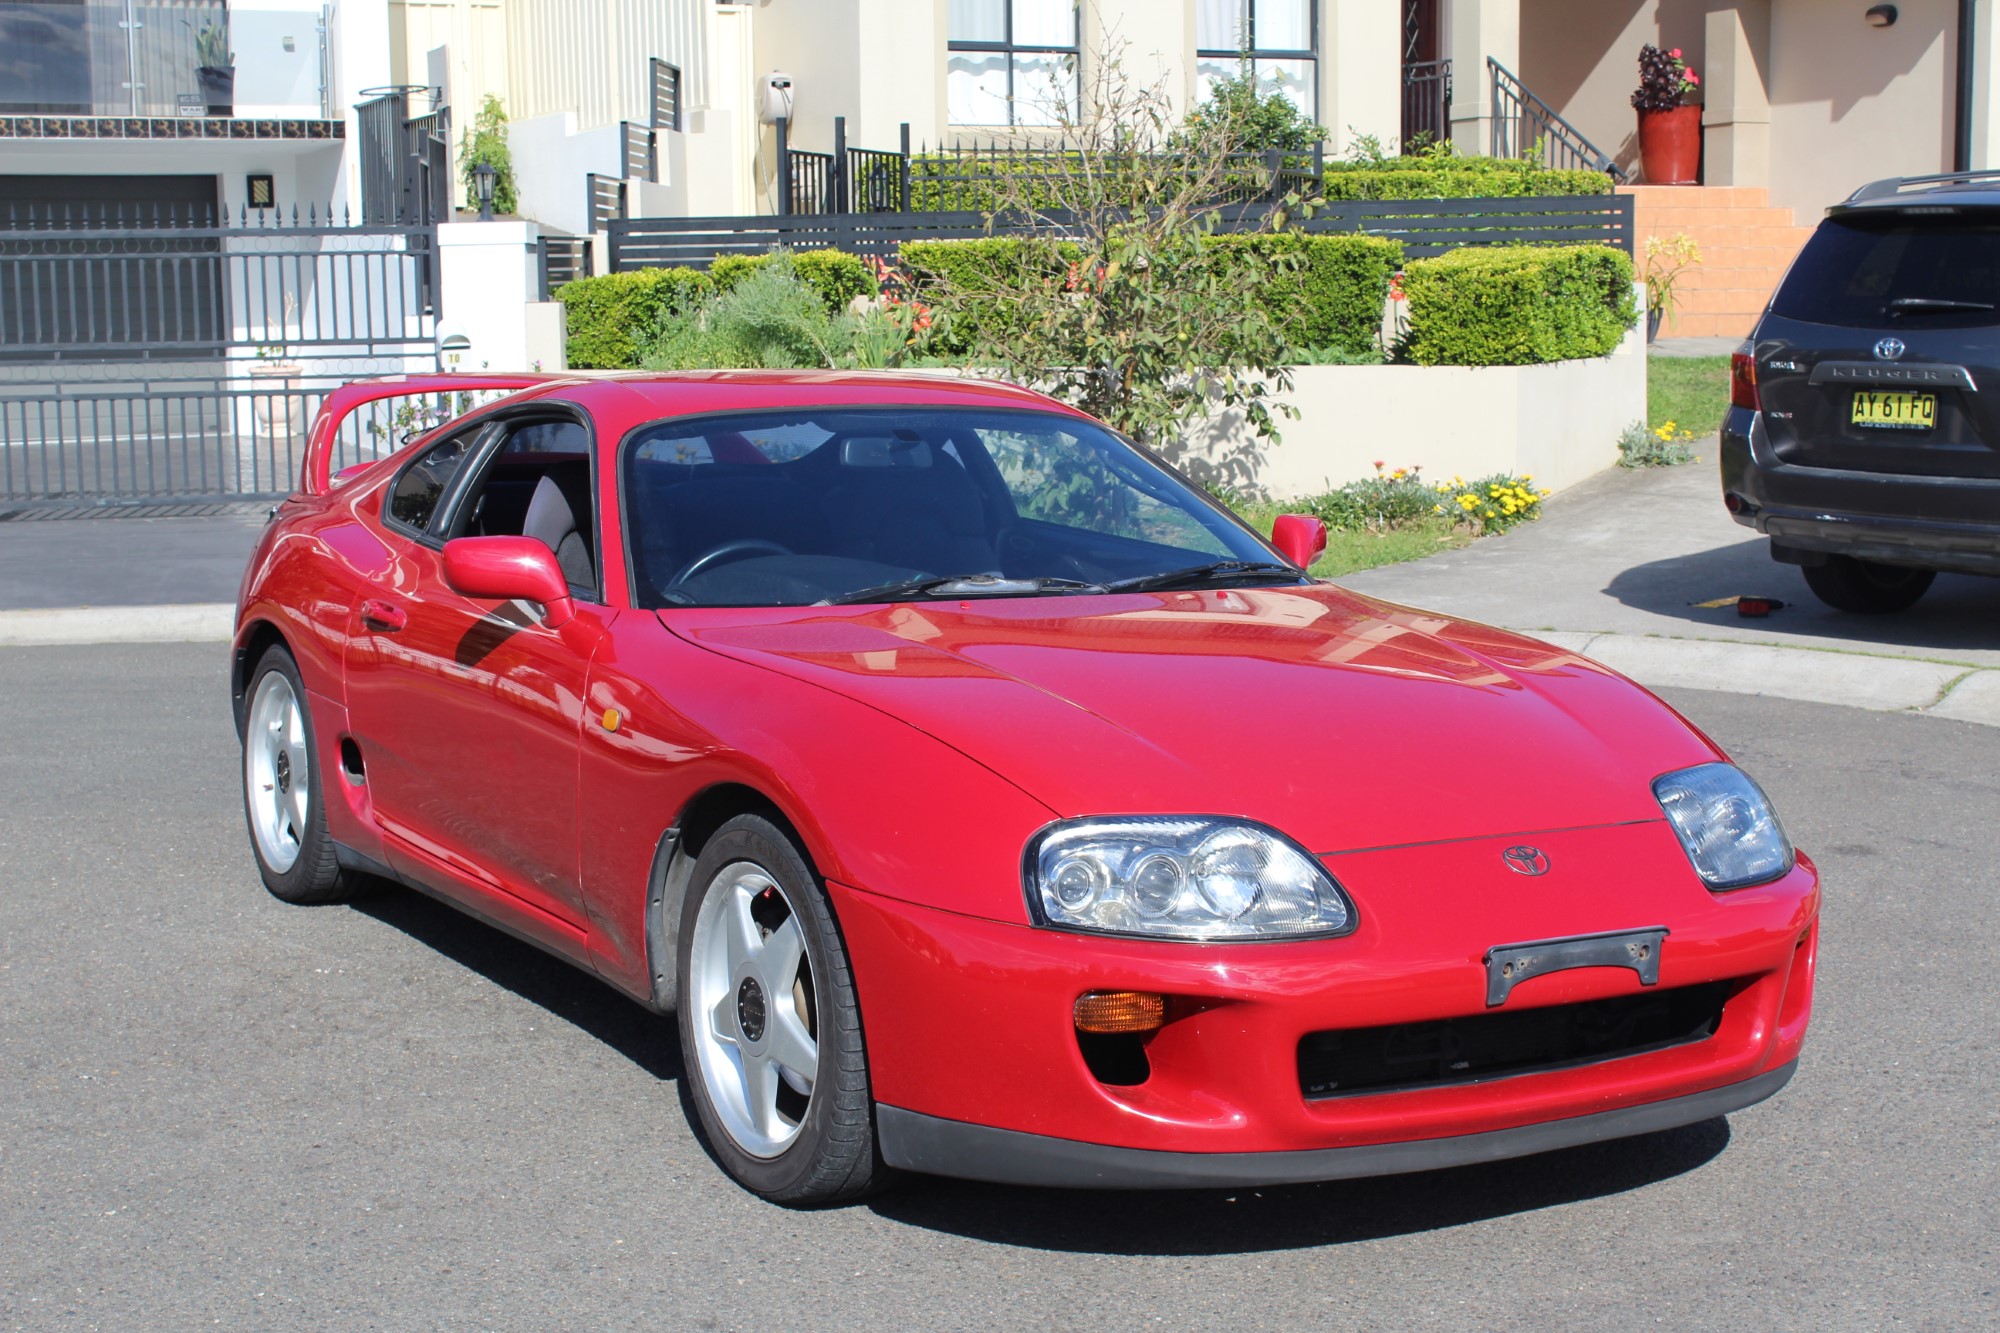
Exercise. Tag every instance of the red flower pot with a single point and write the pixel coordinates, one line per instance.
(1670, 145)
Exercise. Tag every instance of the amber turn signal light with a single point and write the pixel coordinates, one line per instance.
(1110, 1011)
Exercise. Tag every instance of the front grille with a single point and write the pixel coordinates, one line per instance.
(1493, 1045)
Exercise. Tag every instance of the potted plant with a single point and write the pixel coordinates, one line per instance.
(1667, 257)
(215, 66)
(1669, 125)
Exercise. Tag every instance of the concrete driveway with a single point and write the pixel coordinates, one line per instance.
(219, 1111)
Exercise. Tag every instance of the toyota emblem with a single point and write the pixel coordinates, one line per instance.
(1889, 349)
(1526, 860)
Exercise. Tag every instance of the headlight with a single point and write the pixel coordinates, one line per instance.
(1726, 823)
(1183, 878)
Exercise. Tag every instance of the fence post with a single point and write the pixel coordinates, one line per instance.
(784, 167)
(1319, 167)
(1274, 160)
(903, 172)
(836, 188)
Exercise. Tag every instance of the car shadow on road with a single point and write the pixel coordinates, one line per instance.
(1961, 611)
(1217, 1222)
(566, 992)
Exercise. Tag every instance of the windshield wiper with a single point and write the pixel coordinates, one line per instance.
(961, 585)
(1215, 571)
(1902, 303)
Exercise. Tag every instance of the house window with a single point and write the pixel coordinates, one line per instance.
(1275, 36)
(1012, 62)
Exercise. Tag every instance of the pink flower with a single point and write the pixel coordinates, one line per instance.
(1378, 465)
(1694, 78)
(1675, 53)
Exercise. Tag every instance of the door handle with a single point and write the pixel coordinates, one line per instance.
(385, 616)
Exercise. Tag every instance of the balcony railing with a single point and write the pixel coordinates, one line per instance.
(146, 58)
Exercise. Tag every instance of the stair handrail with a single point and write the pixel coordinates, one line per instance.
(1515, 106)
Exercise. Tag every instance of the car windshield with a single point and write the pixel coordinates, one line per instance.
(1895, 269)
(820, 505)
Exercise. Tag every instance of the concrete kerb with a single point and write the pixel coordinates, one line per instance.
(1857, 680)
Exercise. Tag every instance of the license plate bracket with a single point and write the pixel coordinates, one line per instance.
(1508, 965)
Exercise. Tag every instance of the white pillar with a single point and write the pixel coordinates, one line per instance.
(1736, 106)
(1361, 71)
(486, 280)
(1479, 29)
(1986, 85)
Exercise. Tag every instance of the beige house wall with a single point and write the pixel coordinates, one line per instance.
(1847, 102)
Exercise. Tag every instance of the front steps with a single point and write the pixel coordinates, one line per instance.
(1746, 245)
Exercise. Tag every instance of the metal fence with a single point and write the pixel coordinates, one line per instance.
(189, 441)
(405, 161)
(869, 180)
(94, 291)
(561, 259)
(1425, 226)
(1426, 102)
(1526, 126)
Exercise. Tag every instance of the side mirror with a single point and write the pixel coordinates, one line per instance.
(508, 567)
(1300, 538)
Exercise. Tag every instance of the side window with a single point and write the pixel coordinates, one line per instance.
(538, 485)
(414, 502)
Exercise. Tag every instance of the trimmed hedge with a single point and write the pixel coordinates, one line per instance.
(835, 275)
(1460, 178)
(1518, 305)
(602, 314)
(1333, 299)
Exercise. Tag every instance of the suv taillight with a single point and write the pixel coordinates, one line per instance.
(1743, 377)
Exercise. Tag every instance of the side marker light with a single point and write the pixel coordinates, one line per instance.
(1120, 1011)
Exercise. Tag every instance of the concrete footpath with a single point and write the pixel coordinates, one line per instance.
(1635, 569)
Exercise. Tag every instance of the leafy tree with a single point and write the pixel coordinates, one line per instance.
(1112, 303)
(1260, 121)
(485, 144)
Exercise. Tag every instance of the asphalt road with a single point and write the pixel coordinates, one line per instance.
(216, 1110)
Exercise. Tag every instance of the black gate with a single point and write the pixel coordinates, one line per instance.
(405, 162)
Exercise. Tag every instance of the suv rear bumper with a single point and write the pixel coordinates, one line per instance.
(1945, 523)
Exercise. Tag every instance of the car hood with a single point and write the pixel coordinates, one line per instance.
(1346, 722)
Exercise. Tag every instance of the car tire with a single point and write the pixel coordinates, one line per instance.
(765, 987)
(283, 800)
(1866, 587)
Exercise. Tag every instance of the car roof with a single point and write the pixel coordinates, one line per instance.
(1955, 189)
(646, 395)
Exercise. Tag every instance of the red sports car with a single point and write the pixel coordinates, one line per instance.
(987, 801)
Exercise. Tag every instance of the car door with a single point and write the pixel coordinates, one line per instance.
(466, 711)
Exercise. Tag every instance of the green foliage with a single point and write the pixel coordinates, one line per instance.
(605, 314)
(1379, 503)
(770, 317)
(1691, 391)
(1256, 121)
(1439, 171)
(1518, 305)
(1330, 297)
(211, 46)
(1322, 292)
(837, 276)
(485, 144)
(1664, 446)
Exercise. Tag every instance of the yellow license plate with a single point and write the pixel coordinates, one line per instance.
(1897, 411)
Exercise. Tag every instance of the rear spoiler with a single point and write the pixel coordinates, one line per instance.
(316, 472)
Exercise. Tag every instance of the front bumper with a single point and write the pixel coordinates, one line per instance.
(972, 1044)
(1940, 523)
(916, 1142)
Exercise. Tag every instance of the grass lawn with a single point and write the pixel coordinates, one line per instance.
(1691, 391)
(1352, 552)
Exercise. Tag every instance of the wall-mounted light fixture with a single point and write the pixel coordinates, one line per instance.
(1881, 16)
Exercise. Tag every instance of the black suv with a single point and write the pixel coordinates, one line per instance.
(1863, 431)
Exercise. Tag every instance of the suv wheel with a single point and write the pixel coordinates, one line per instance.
(1866, 587)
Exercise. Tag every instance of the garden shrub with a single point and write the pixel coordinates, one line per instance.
(1458, 178)
(836, 276)
(1331, 298)
(1517, 305)
(606, 315)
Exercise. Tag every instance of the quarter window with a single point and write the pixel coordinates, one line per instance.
(414, 502)
(1011, 62)
(1276, 38)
